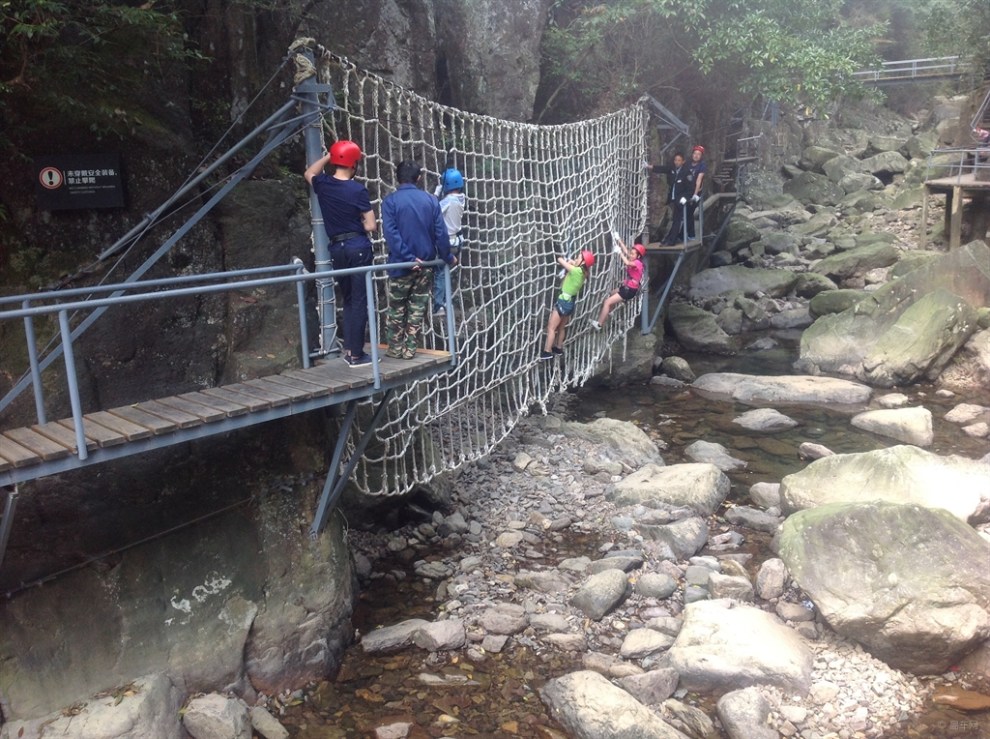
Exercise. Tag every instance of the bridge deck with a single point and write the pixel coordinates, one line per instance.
(43, 449)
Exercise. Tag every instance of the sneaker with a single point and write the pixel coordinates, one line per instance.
(596, 325)
(439, 312)
(361, 360)
(393, 353)
(558, 352)
(408, 353)
(544, 356)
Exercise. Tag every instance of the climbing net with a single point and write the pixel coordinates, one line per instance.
(533, 192)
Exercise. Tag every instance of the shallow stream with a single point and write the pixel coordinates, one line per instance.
(498, 697)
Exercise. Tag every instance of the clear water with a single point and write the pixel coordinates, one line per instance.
(499, 698)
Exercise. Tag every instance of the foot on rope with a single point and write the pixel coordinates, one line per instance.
(544, 356)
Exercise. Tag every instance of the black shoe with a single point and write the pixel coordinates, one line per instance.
(558, 352)
(544, 356)
(362, 360)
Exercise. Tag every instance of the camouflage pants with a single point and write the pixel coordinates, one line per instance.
(408, 297)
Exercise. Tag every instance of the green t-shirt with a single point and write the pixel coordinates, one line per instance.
(573, 283)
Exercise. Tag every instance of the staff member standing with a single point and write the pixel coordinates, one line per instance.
(678, 194)
(696, 181)
(348, 220)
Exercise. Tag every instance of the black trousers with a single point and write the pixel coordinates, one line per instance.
(354, 293)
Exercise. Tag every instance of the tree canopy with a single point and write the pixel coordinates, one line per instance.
(797, 51)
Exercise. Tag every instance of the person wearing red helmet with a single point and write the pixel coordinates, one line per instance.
(696, 181)
(629, 289)
(348, 220)
(575, 273)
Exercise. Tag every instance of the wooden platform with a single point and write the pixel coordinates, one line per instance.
(955, 189)
(658, 248)
(37, 450)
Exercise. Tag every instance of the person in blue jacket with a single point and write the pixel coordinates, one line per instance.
(414, 232)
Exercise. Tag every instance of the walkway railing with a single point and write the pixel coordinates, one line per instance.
(65, 303)
(911, 69)
(959, 164)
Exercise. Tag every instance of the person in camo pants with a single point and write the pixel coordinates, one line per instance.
(414, 232)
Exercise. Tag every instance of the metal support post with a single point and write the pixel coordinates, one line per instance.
(32, 348)
(309, 92)
(335, 484)
(369, 290)
(73, 383)
(648, 322)
(301, 307)
(7, 523)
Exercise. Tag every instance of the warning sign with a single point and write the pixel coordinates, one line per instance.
(51, 178)
(79, 181)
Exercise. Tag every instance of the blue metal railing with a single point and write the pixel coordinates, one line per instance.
(908, 69)
(215, 283)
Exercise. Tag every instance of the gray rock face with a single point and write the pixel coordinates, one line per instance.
(908, 329)
(899, 474)
(149, 711)
(765, 419)
(811, 188)
(491, 52)
(909, 425)
(756, 390)
(909, 583)
(856, 261)
(588, 706)
(627, 442)
(707, 452)
(215, 717)
(744, 714)
(601, 593)
(701, 487)
(711, 282)
(697, 330)
(724, 645)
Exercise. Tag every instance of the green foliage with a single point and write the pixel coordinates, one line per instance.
(795, 51)
(78, 58)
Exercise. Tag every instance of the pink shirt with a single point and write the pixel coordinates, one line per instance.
(634, 273)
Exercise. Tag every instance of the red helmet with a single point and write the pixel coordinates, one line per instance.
(587, 258)
(699, 148)
(345, 154)
(639, 249)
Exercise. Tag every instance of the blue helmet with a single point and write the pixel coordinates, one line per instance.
(452, 180)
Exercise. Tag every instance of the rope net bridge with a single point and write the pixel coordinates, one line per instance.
(533, 192)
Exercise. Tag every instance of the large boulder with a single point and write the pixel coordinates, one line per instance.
(856, 261)
(909, 583)
(724, 645)
(900, 474)
(147, 708)
(697, 330)
(588, 706)
(810, 188)
(623, 440)
(883, 341)
(701, 487)
(771, 390)
(737, 279)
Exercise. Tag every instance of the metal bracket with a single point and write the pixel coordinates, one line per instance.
(335, 483)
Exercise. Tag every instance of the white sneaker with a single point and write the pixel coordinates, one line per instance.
(596, 325)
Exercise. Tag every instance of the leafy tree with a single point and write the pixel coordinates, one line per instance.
(78, 58)
(796, 51)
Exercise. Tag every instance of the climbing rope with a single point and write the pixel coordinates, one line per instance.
(533, 192)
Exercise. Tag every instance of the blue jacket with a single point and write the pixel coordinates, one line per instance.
(414, 228)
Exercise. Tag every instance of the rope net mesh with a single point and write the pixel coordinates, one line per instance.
(533, 192)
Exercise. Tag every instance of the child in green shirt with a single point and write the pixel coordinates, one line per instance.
(576, 271)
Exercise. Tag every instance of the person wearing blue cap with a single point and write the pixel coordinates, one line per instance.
(452, 202)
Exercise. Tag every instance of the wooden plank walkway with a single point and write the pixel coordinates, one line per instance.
(34, 445)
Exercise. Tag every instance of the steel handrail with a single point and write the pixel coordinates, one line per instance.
(300, 277)
(970, 161)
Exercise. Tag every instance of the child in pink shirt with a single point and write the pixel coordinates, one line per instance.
(633, 259)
